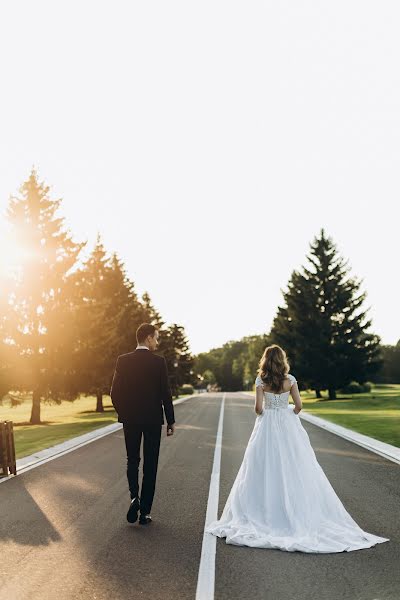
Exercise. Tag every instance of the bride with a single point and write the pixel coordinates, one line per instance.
(281, 497)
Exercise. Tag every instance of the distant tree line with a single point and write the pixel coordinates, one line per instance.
(64, 322)
(323, 327)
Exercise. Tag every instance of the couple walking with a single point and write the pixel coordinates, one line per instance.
(281, 497)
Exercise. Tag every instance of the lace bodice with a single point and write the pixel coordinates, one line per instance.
(272, 400)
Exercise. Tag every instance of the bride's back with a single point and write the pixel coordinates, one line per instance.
(285, 386)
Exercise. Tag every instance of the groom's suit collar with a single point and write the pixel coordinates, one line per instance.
(141, 347)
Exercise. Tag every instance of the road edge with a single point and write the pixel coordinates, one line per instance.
(32, 461)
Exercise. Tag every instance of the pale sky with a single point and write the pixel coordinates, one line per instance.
(208, 142)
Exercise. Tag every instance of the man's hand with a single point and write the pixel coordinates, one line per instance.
(170, 429)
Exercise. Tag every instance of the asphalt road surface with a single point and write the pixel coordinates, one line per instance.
(64, 534)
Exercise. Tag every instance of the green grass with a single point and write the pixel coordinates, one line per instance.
(59, 422)
(376, 414)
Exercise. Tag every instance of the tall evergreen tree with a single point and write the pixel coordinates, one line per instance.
(151, 314)
(108, 314)
(95, 323)
(175, 349)
(323, 326)
(47, 255)
(132, 310)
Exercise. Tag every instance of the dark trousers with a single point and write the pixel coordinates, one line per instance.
(151, 447)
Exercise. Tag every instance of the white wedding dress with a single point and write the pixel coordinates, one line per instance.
(281, 497)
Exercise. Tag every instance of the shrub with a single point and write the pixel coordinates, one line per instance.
(357, 388)
(352, 388)
(186, 389)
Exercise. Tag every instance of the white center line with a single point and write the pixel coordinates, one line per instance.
(206, 577)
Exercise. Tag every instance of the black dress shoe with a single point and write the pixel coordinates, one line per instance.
(145, 519)
(133, 510)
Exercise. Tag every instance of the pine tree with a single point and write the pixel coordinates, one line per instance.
(94, 323)
(323, 327)
(131, 310)
(126, 302)
(151, 315)
(47, 255)
(108, 315)
(165, 343)
(179, 360)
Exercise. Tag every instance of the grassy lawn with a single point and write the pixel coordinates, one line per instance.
(376, 414)
(60, 422)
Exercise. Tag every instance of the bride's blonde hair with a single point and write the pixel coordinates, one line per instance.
(273, 367)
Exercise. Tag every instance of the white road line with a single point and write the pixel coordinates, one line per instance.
(43, 456)
(206, 577)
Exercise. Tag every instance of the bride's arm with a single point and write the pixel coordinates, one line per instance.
(258, 407)
(294, 392)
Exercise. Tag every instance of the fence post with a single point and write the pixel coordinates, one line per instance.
(7, 449)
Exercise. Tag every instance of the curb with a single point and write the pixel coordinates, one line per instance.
(388, 451)
(43, 456)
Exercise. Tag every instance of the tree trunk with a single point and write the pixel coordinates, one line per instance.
(318, 394)
(35, 412)
(99, 405)
(332, 393)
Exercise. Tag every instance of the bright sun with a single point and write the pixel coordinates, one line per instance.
(12, 253)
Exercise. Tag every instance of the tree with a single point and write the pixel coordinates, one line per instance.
(7, 357)
(322, 326)
(174, 346)
(95, 323)
(390, 372)
(151, 314)
(108, 314)
(227, 363)
(208, 378)
(47, 254)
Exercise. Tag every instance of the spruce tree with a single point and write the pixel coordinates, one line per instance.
(125, 301)
(94, 327)
(40, 313)
(323, 326)
(108, 314)
(151, 314)
(178, 357)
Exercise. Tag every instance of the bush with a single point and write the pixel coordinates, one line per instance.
(357, 388)
(186, 389)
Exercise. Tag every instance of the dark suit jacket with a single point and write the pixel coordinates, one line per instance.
(140, 389)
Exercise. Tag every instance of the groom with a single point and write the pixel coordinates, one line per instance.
(139, 392)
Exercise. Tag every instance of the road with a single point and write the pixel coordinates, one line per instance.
(64, 534)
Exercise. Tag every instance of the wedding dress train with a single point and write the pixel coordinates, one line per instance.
(281, 497)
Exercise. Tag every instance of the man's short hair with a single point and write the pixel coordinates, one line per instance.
(143, 331)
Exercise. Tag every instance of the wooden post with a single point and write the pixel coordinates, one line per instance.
(7, 449)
